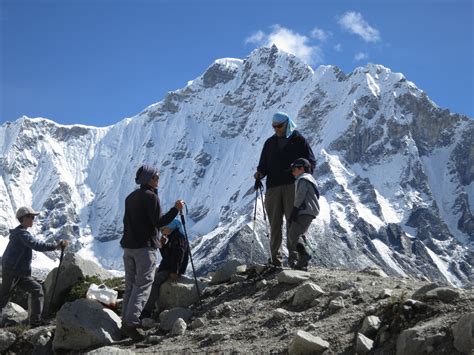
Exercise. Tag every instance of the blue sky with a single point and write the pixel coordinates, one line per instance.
(97, 62)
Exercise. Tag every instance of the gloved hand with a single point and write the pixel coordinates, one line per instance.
(258, 184)
(294, 214)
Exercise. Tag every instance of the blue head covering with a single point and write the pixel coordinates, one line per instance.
(144, 174)
(175, 223)
(281, 117)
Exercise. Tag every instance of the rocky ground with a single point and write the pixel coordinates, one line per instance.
(276, 311)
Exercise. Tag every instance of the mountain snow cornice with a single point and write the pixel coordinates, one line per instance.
(395, 170)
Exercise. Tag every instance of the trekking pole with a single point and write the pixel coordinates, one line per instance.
(252, 244)
(51, 299)
(265, 218)
(190, 254)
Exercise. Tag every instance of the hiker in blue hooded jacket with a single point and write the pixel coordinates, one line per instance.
(279, 151)
(305, 209)
(174, 250)
(16, 264)
(141, 221)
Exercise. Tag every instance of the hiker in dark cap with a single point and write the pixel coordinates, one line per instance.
(174, 251)
(16, 264)
(278, 152)
(139, 242)
(305, 209)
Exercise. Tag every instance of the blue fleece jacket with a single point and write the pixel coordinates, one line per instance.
(18, 254)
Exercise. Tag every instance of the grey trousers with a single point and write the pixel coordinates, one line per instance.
(297, 229)
(140, 267)
(279, 202)
(27, 284)
(160, 278)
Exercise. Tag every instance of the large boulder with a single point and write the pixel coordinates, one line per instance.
(305, 343)
(225, 271)
(421, 339)
(179, 294)
(73, 269)
(463, 333)
(85, 323)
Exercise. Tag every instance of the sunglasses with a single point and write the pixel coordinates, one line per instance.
(31, 216)
(278, 125)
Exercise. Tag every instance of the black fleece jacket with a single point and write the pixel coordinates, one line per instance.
(275, 161)
(143, 217)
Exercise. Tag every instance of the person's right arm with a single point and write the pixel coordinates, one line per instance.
(262, 164)
(38, 245)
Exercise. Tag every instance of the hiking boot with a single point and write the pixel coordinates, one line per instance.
(275, 262)
(302, 263)
(131, 332)
(145, 314)
(39, 323)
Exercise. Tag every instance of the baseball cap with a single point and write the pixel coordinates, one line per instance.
(23, 211)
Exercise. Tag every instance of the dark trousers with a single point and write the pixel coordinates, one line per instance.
(160, 278)
(26, 283)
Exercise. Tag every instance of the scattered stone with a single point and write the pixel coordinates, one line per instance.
(213, 313)
(375, 272)
(169, 317)
(292, 277)
(6, 339)
(261, 284)
(179, 327)
(148, 323)
(306, 292)
(85, 323)
(370, 325)
(305, 343)
(281, 313)
(226, 310)
(241, 269)
(197, 323)
(463, 333)
(418, 295)
(110, 350)
(416, 305)
(444, 294)
(336, 304)
(179, 294)
(358, 292)
(237, 278)
(13, 314)
(225, 271)
(363, 344)
(216, 336)
(385, 293)
(153, 339)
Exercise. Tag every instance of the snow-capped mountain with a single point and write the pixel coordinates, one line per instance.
(395, 171)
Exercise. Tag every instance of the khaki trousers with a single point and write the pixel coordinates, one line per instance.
(279, 202)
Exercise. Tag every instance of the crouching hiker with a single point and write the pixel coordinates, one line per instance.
(174, 251)
(139, 242)
(306, 208)
(16, 264)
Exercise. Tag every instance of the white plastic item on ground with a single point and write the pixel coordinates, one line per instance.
(103, 294)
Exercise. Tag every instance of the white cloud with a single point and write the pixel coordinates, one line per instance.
(288, 41)
(354, 23)
(257, 38)
(338, 47)
(319, 34)
(361, 56)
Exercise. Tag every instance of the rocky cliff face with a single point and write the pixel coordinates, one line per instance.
(395, 171)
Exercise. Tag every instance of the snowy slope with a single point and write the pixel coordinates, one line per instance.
(395, 171)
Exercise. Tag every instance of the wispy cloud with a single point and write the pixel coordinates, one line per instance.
(288, 41)
(320, 34)
(355, 23)
(338, 47)
(361, 56)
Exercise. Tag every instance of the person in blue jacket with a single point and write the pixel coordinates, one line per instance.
(174, 250)
(16, 264)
